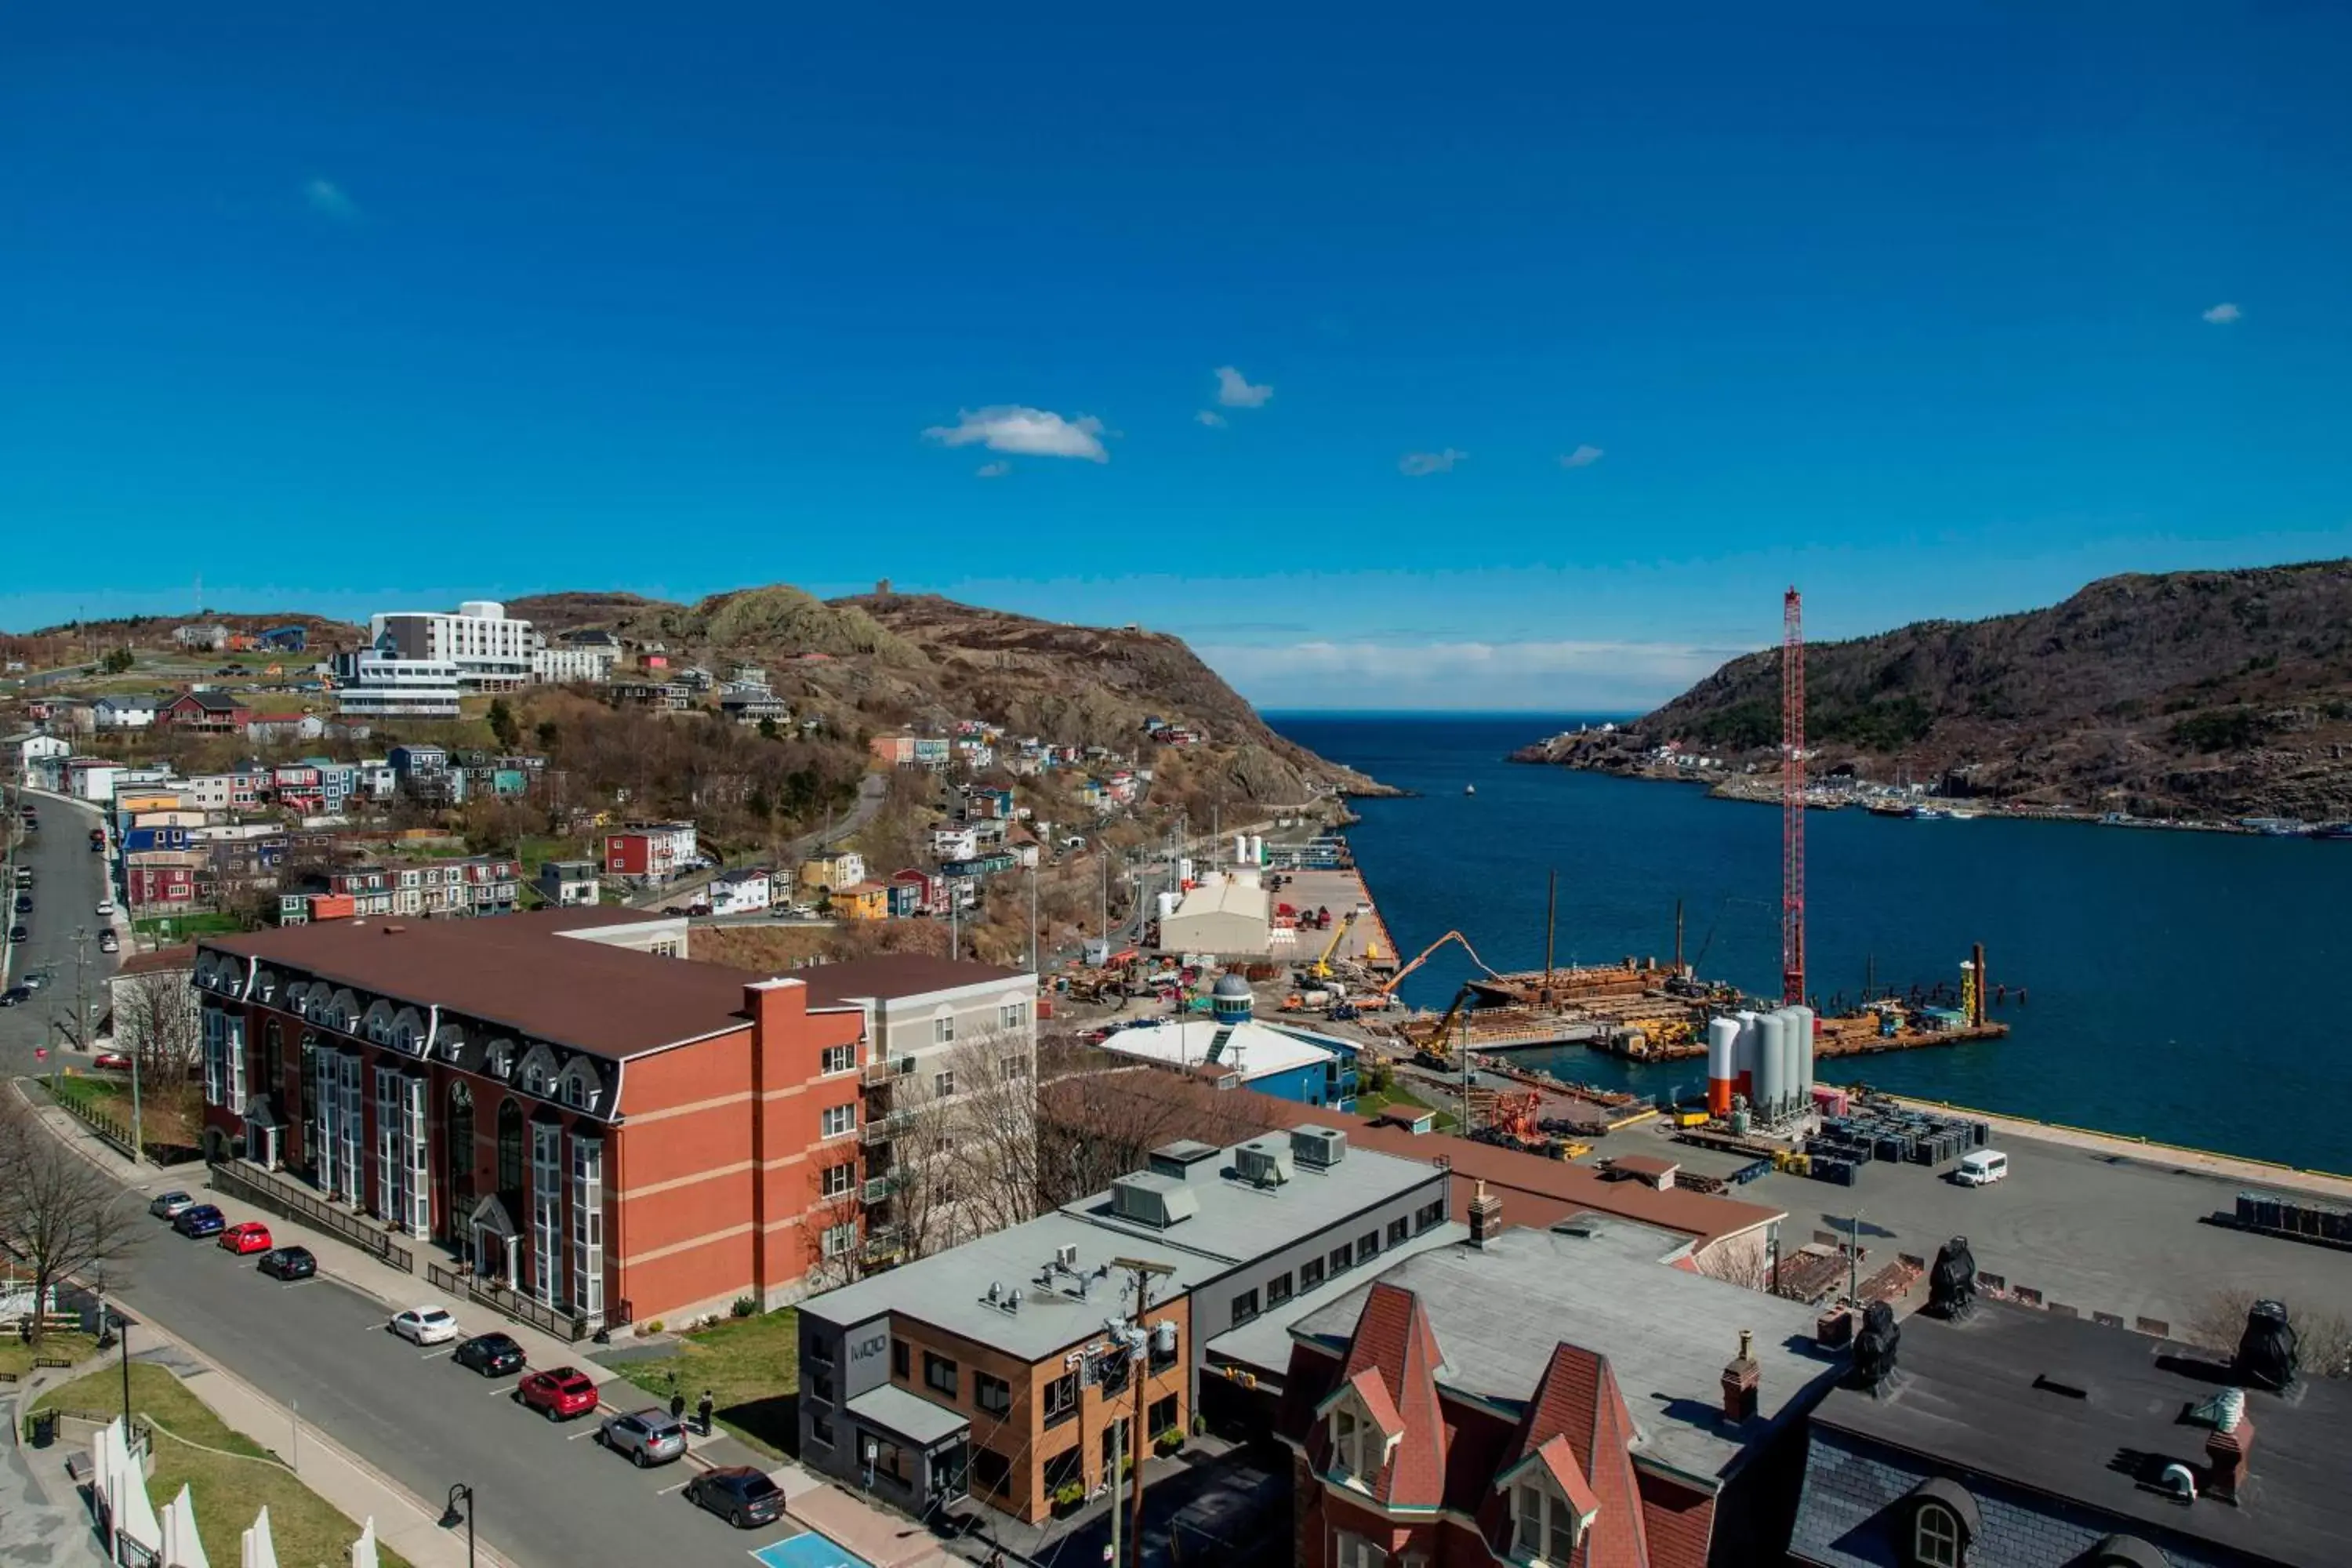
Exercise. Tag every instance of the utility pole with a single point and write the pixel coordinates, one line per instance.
(1034, 955)
(81, 987)
(1551, 921)
(1137, 1343)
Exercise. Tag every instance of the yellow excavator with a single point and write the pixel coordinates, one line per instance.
(1321, 968)
(1436, 1048)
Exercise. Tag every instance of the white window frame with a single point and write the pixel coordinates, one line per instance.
(1935, 1536)
(546, 1210)
(1350, 1549)
(827, 1127)
(1012, 1016)
(838, 1181)
(836, 1059)
(943, 1084)
(1545, 1528)
(588, 1224)
(1348, 1429)
(943, 1029)
(839, 1240)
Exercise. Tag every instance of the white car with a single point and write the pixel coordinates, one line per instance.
(106, 909)
(425, 1325)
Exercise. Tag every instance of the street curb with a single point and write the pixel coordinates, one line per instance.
(20, 1409)
(397, 1491)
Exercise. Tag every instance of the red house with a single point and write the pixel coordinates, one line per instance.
(655, 851)
(214, 712)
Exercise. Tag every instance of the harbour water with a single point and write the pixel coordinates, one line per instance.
(2181, 987)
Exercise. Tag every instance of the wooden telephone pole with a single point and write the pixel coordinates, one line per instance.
(1136, 1345)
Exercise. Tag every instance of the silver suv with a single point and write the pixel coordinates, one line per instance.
(648, 1436)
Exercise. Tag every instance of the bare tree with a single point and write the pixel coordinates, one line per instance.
(57, 1212)
(823, 1270)
(1098, 1125)
(156, 1020)
(966, 1161)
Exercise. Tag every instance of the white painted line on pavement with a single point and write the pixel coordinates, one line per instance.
(679, 1488)
(592, 1431)
(433, 1355)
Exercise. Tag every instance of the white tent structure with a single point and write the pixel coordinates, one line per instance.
(363, 1549)
(181, 1546)
(121, 1487)
(254, 1547)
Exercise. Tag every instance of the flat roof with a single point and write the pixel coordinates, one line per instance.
(910, 1416)
(1253, 1051)
(1500, 1310)
(1228, 897)
(1263, 1344)
(1236, 1223)
(1976, 1395)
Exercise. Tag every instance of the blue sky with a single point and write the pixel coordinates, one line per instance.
(1498, 357)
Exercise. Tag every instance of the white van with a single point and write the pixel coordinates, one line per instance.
(1981, 1168)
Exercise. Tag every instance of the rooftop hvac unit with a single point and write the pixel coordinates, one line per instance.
(1156, 1201)
(1318, 1148)
(1067, 1255)
(1264, 1162)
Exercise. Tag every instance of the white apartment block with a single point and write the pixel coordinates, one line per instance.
(379, 684)
(559, 664)
(491, 652)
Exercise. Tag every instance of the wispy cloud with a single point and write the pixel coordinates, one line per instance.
(330, 200)
(1415, 464)
(2222, 315)
(1025, 431)
(996, 470)
(1211, 418)
(1582, 457)
(1234, 390)
(1568, 675)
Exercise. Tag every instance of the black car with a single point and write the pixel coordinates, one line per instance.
(203, 1220)
(19, 933)
(739, 1494)
(288, 1263)
(23, 903)
(492, 1355)
(15, 996)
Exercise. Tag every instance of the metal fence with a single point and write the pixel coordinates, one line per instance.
(250, 1185)
(106, 1127)
(563, 1325)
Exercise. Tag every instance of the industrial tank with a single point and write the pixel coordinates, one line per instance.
(1240, 847)
(1722, 1047)
(1257, 849)
(1771, 1062)
(1168, 903)
(1743, 1058)
(1805, 1090)
(1184, 869)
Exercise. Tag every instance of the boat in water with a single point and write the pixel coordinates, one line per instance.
(1469, 789)
(1929, 814)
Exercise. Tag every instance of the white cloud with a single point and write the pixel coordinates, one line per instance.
(1234, 390)
(328, 200)
(1211, 418)
(2222, 315)
(1582, 457)
(1564, 675)
(1025, 432)
(1415, 464)
(996, 470)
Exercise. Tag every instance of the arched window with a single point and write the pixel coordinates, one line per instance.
(1936, 1537)
(457, 1139)
(273, 1058)
(511, 1148)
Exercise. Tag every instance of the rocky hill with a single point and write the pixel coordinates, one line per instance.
(2189, 693)
(880, 660)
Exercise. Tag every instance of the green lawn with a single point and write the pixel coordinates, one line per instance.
(751, 1367)
(183, 928)
(232, 1478)
(1401, 1100)
(17, 1357)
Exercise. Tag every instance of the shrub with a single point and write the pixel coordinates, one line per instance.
(655, 1327)
(1069, 1494)
(744, 1307)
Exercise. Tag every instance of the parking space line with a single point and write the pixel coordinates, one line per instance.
(576, 1437)
(434, 1355)
(679, 1488)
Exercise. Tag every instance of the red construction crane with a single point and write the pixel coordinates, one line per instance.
(1792, 799)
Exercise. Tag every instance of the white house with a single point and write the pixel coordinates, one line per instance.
(954, 841)
(123, 713)
(739, 893)
(492, 651)
(564, 883)
(35, 758)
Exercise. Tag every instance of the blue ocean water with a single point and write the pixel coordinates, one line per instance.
(2179, 985)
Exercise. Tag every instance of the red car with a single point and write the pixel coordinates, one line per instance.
(559, 1394)
(111, 1061)
(251, 1236)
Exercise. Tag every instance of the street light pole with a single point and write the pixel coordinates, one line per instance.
(452, 1516)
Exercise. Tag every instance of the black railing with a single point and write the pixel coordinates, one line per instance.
(566, 1326)
(250, 1185)
(106, 1127)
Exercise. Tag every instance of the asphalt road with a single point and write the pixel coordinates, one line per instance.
(548, 1495)
(68, 883)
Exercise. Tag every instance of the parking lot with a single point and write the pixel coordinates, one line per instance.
(547, 1493)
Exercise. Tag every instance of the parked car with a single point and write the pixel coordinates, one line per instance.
(288, 1263)
(492, 1354)
(111, 1061)
(172, 1206)
(1981, 1168)
(200, 1220)
(108, 942)
(15, 996)
(559, 1394)
(425, 1325)
(648, 1436)
(20, 933)
(23, 903)
(252, 1236)
(743, 1497)
(105, 908)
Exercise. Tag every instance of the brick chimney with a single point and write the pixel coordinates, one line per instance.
(2227, 1451)
(1485, 1217)
(1741, 1377)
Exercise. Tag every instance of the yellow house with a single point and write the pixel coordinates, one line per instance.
(842, 869)
(862, 901)
(149, 800)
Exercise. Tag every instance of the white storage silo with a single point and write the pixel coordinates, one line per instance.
(1184, 869)
(1168, 903)
(1743, 1058)
(1240, 847)
(1771, 1060)
(1257, 849)
(1722, 1047)
(1805, 1090)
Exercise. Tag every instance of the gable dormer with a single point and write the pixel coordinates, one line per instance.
(1551, 1505)
(1363, 1428)
(536, 1072)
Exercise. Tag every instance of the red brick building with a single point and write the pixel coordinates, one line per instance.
(652, 851)
(214, 712)
(611, 1134)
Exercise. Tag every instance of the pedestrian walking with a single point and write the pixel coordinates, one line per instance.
(704, 1408)
(677, 1406)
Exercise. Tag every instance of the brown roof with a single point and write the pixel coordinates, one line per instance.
(519, 971)
(1643, 1164)
(895, 974)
